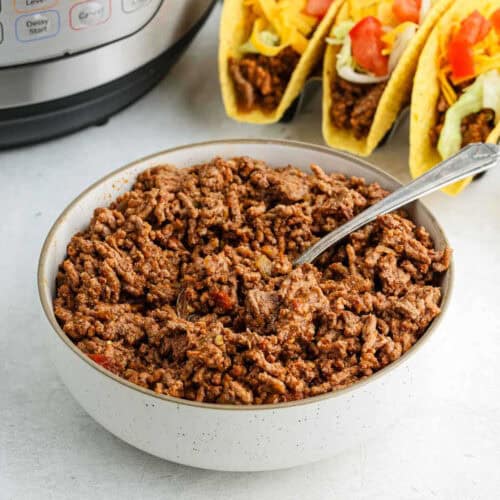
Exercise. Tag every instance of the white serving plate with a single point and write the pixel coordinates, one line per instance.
(225, 437)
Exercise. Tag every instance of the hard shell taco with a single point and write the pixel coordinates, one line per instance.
(267, 49)
(370, 61)
(456, 97)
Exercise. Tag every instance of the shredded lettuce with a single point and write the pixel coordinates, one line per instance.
(266, 37)
(344, 57)
(491, 92)
(483, 93)
(341, 37)
(340, 33)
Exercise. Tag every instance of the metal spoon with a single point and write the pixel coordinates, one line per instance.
(471, 160)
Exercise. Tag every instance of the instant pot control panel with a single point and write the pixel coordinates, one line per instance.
(36, 30)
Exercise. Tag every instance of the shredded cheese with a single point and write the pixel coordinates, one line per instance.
(483, 63)
(358, 9)
(390, 37)
(446, 88)
(258, 44)
(386, 14)
(486, 55)
(381, 9)
(286, 19)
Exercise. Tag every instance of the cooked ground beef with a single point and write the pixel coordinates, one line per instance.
(185, 284)
(435, 132)
(475, 127)
(261, 81)
(354, 105)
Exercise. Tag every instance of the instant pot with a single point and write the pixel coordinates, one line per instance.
(68, 64)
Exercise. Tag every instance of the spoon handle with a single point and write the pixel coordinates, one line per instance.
(471, 160)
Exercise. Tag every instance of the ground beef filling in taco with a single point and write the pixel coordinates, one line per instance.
(355, 105)
(475, 127)
(261, 81)
(185, 284)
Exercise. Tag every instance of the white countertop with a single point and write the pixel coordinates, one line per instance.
(50, 448)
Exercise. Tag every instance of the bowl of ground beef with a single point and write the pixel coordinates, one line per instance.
(180, 323)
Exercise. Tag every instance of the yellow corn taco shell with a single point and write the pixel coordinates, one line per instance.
(395, 94)
(423, 156)
(233, 33)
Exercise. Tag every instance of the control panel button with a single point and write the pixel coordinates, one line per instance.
(133, 5)
(89, 13)
(31, 5)
(37, 26)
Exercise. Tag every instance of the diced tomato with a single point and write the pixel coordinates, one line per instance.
(473, 28)
(495, 20)
(461, 59)
(221, 299)
(367, 45)
(407, 10)
(102, 360)
(317, 8)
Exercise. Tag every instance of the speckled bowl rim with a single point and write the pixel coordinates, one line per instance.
(48, 305)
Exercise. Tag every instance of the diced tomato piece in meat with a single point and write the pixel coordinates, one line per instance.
(221, 299)
(367, 45)
(102, 360)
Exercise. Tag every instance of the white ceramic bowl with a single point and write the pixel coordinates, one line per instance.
(224, 437)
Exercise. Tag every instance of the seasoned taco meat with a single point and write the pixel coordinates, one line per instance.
(260, 81)
(475, 127)
(354, 105)
(435, 132)
(185, 284)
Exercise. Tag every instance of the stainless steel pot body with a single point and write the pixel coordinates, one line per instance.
(52, 49)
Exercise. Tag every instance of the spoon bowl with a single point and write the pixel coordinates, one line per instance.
(471, 160)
